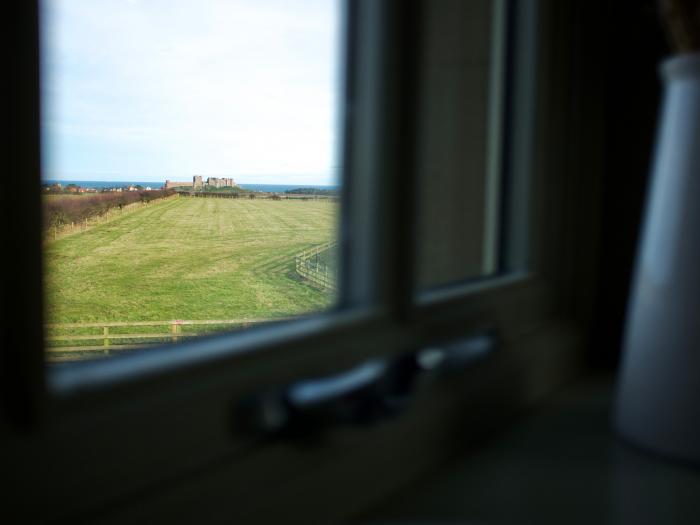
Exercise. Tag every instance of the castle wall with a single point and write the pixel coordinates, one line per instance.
(198, 183)
(174, 184)
(221, 182)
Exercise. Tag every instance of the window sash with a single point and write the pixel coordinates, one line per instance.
(377, 245)
(377, 238)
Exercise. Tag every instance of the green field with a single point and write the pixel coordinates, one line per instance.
(190, 258)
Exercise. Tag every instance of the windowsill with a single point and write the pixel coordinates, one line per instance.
(561, 464)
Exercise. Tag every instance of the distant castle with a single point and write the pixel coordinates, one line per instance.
(197, 183)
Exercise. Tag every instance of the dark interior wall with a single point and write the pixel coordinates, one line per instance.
(635, 44)
(599, 95)
(21, 371)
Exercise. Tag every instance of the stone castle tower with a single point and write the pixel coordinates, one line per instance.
(198, 183)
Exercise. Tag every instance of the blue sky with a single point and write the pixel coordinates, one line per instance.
(153, 89)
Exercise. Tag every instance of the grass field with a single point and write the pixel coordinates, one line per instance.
(190, 258)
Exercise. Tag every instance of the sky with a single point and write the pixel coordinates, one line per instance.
(144, 90)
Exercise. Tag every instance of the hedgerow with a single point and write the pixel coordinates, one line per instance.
(59, 211)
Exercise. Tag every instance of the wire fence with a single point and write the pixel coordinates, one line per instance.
(318, 265)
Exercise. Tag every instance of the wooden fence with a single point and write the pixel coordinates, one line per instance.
(257, 195)
(212, 194)
(310, 267)
(109, 340)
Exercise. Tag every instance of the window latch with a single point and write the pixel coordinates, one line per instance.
(374, 390)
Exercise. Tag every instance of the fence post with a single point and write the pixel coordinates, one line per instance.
(175, 329)
(105, 341)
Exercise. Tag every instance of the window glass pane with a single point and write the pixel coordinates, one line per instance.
(458, 154)
(189, 168)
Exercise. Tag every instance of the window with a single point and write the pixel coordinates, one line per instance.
(235, 100)
(159, 427)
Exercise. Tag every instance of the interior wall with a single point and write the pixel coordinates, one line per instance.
(635, 45)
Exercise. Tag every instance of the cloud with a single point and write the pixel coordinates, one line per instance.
(182, 87)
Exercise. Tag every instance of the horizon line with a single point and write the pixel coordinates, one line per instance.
(120, 178)
(175, 180)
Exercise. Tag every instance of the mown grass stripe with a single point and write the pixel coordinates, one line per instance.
(190, 259)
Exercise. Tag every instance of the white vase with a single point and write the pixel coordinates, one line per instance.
(658, 403)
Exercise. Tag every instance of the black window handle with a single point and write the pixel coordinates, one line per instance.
(374, 390)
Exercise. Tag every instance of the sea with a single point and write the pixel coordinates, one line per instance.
(100, 184)
(280, 188)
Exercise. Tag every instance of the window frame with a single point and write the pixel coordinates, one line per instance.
(169, 391)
